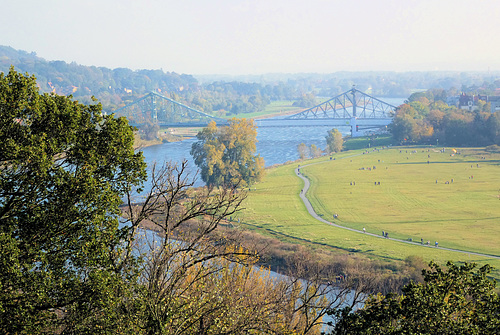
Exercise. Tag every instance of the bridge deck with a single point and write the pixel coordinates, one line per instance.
(321, 122)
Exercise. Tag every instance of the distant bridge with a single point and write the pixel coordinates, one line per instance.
(353, 108)
(158, 109)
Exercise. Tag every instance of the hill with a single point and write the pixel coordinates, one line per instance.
(113, 87)
(232, 95)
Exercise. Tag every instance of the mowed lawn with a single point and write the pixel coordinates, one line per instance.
(460, 214)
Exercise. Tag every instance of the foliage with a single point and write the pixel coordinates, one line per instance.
(306, 101)
(226, 155)
(315, 151)
(149, 131)
(230, 95)
(334, 140)
(304, 151)
(195, 279)
(424, 119)
(63, 170)
(456, 301)
(308, 152)
(68, 267)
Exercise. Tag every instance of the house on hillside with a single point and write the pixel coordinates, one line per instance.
(470, 102)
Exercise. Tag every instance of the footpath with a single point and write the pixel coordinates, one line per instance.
(311, 211)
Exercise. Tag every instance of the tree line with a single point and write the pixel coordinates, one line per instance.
(427, 119)
(230, 95)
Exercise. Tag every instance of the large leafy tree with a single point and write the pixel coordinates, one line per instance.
(459, 300)
(64, 168)
(226, 155)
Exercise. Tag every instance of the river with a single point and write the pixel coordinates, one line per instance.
(276, 145)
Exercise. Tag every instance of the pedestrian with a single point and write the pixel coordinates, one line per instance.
(364, 230)
(422, 241)
(436, 244)
(383, 233)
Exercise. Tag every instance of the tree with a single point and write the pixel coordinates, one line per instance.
(307, 100)
(304, 151)
(183, 263)
(226, 155)
(195, 279)
(315, 151)
(493, 128)
(64, 168)
(149, 131)
(456, 301)
(334, 141)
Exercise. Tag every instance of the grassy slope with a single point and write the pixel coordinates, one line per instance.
(408, 203)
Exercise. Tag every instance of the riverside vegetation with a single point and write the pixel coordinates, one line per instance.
(74, 259)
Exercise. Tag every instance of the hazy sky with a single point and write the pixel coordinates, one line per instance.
(259, 36)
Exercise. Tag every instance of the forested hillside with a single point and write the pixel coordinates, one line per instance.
(230, 95)
(112, 87)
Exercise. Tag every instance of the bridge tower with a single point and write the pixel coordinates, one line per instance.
(354, 126)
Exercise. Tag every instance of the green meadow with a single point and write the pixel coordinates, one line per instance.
(424, 193)
(275, 108)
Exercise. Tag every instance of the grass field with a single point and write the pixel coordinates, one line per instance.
(275, 108)
(461, 214)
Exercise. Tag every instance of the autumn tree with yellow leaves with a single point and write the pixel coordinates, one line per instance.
(226, 155)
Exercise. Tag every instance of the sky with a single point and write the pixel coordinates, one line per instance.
(259, 36)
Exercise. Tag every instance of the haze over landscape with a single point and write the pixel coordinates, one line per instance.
(259, 36)
(249, 167)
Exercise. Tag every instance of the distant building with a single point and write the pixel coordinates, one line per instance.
(470, 102)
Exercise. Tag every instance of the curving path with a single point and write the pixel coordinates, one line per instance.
(311, 211)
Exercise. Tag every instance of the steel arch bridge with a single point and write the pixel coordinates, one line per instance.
(158, 109)
(350, 104)
(353, 108)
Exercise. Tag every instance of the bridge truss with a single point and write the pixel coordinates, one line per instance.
(348, 105)
(158, 109)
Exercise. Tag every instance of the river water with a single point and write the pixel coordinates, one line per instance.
(276, 145)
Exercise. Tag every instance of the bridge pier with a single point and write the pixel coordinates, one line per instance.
(355, 128)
